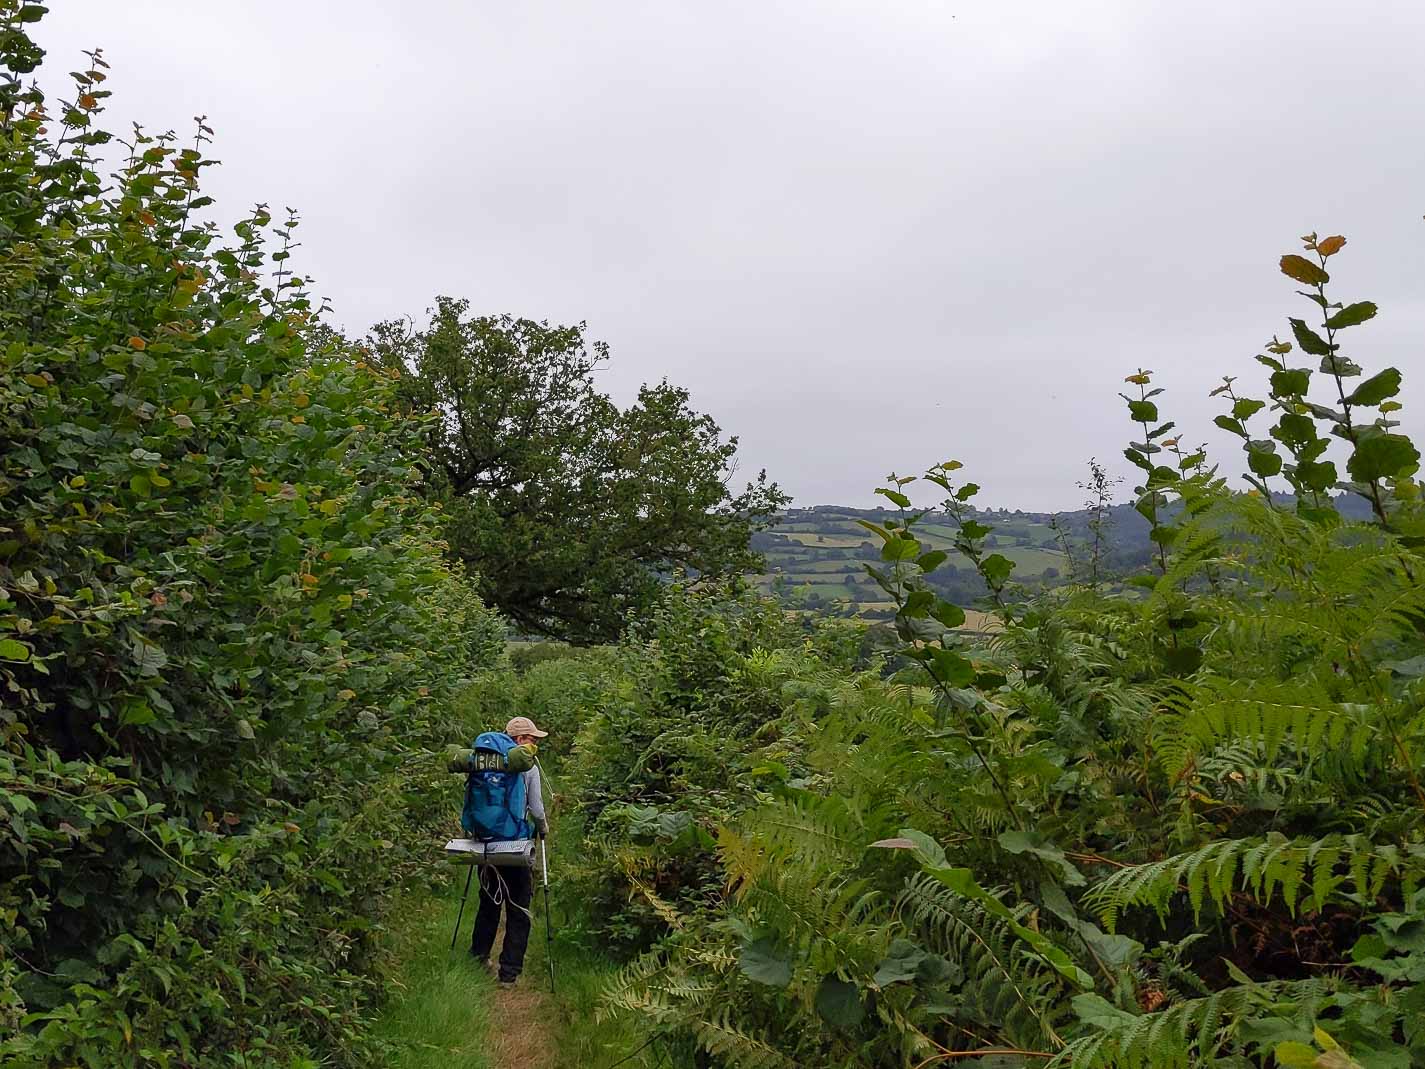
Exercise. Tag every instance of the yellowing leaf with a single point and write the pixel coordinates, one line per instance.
(88, 102)
(146, 217)
(37, 381)
(138, 343)
(1330, 246)
(346, 695)
(1303, 270)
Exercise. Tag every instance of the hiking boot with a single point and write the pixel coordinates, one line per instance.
(508, 981)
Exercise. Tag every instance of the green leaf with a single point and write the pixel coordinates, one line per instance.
(895, 496)
(1340, 366)
(149, 656)
(763, 962)
(996, 569)
(876, 529)
(967, 491)
(839, 1003)
(973, 530)
(1352, 315)
(900, 548)
(1310, 342)
(1295, 429)
(137, 713)
(1383, 456)
(1227, 423)
(1303, 270)
(901, 963)
(1311, 475)
(1097, 1012)
(918, 604)
(951, 669)
(1115, 951)
(927, 851)
(1246, 407)
(1293, 1055)
(1376, 388)
(928, 562)
(952, 616)
(1141, 412)
(1032, 842)
(1262, 458)
(1290, 382)
(13, 650)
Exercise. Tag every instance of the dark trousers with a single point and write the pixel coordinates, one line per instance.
(514, 889)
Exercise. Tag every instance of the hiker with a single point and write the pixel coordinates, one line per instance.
(510, 886)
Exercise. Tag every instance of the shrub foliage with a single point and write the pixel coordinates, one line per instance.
(226, 629)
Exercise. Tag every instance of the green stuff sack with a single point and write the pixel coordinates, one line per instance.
(519, 759)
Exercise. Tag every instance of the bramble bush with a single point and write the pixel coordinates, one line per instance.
(228, 638)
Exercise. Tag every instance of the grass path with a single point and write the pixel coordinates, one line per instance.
(439, 1014)
(446, 1012)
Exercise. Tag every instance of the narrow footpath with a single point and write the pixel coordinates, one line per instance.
(446, 1012)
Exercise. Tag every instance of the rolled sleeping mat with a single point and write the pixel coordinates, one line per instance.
(510, 853)
(459, 760)
(519, 759)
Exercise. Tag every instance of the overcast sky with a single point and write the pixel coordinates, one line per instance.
(865, 236)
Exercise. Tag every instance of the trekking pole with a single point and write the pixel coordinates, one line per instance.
(548, 930)
(463, 899)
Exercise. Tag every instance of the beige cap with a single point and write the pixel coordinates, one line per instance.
(523, 725)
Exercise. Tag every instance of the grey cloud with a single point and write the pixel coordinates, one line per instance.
(866, 236)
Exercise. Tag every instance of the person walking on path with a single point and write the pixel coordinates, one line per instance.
(512, 888)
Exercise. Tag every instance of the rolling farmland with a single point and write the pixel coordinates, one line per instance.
(818, 557)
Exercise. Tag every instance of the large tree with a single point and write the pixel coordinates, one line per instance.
(570, 510)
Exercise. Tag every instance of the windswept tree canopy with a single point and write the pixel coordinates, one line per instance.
(567, 507)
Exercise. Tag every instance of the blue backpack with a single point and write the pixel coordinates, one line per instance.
(494, 797)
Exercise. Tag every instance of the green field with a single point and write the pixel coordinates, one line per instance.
(840, 546)
(834, 540)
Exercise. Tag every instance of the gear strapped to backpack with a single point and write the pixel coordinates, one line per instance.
(494, 794)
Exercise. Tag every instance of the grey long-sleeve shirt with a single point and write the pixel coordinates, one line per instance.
(534, 796)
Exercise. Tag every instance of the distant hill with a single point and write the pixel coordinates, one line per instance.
(816, 556)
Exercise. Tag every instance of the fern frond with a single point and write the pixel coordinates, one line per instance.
(720, 1037)
(1262, 869)
(1183, 1035)
(1205, 715)
(1008, 988)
